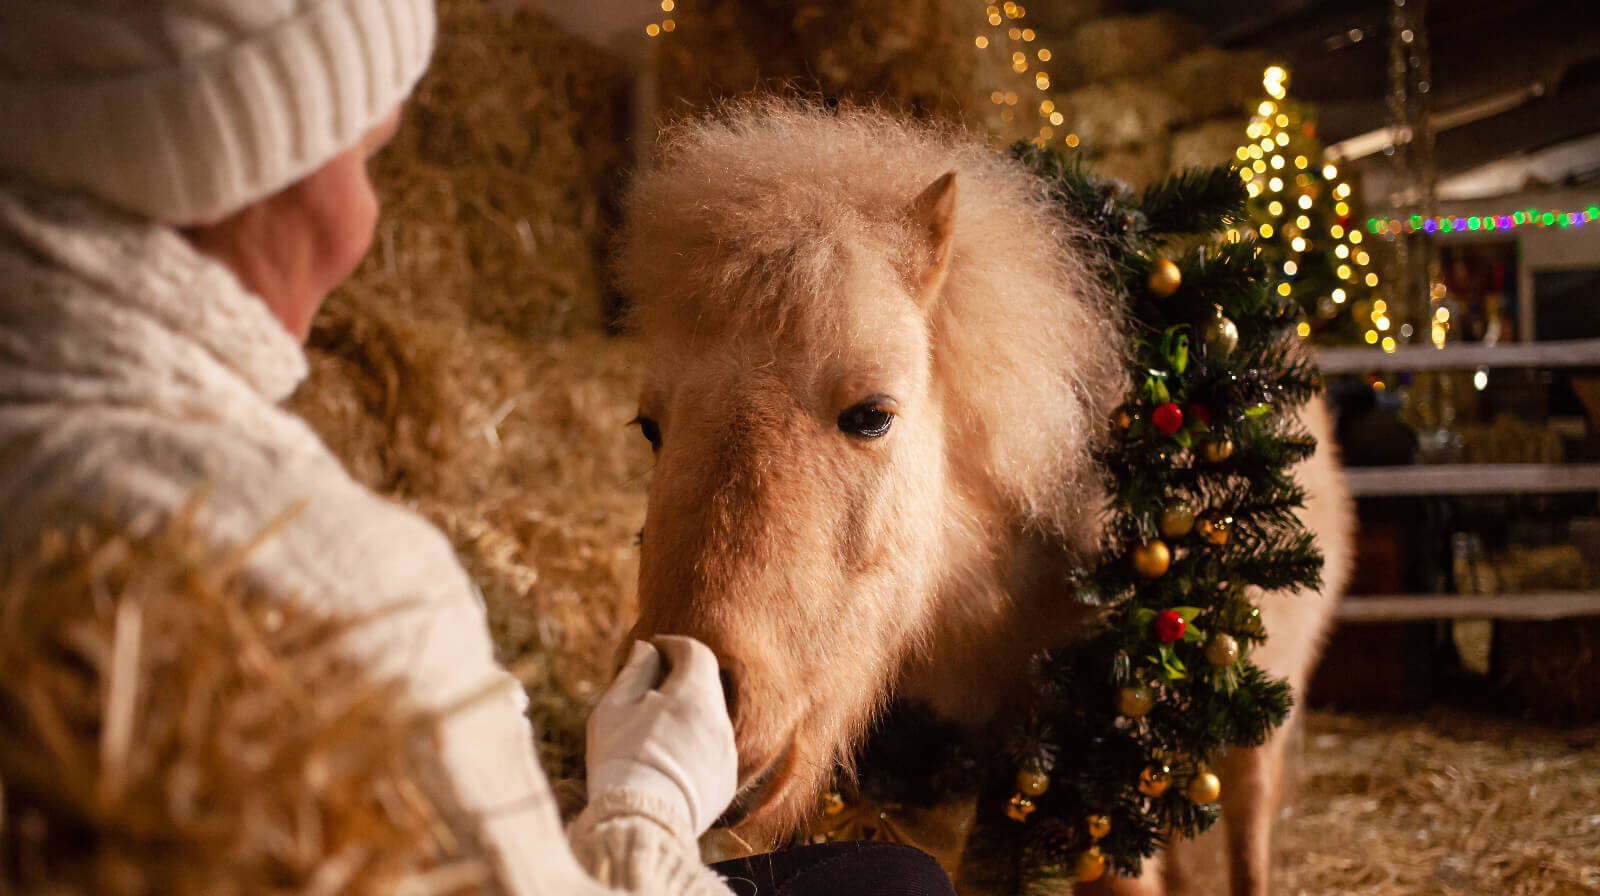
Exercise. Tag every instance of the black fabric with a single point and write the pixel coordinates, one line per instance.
(857, 868)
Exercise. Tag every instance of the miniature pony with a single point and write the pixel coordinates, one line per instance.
(878, 368)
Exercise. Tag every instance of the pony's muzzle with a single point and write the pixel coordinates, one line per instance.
(757, 792)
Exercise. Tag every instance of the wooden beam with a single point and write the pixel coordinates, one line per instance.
(1473, 479)
(1541, 605)
(1462, 356)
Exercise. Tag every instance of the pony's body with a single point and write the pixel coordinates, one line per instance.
(878, 370)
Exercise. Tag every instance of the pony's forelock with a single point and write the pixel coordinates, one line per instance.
(750, 212)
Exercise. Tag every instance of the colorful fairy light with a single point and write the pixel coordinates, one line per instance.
(1531, 217)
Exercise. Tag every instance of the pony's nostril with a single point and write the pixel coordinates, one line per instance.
(729, 694)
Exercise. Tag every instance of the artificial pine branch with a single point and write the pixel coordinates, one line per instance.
(1198, 200)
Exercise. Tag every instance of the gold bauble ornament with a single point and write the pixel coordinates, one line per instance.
(832, 803)
(1214, 527)
(1152, 558)
(1222, 650)
(1252, 622)
(1164, 279)
(1099, 826)
(1220, 335)
(1090, 865)
(1155, 780)
(1019, 808)
(1135, 701)
(1177, 520)
(1204, 788)
(1032, 783)
(1217, 450)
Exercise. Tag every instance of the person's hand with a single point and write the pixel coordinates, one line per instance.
(671, 741)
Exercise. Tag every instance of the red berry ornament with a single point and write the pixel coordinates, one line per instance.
(1169, 626)
(1168, 418)
(1199, 412)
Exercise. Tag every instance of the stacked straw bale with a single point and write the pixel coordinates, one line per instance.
(165, 729)
(916, 57)
(464, 369)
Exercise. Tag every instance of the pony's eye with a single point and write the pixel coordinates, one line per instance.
(651, 430)
(868, 420)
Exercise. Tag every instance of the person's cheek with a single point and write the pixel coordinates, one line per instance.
(348, 218)
(363, 224)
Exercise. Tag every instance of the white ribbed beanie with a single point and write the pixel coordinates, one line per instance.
(187, 110)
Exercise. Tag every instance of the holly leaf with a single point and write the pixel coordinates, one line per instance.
(1260, 410)
(1155, 386)
(1188, 613)
(1192, 634)
(1175, 348)
(1143, 616)
(1183, 438)
(1171, 665)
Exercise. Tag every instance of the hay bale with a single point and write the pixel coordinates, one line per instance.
(1122, 46)
(916, 56)
(463, 370)
(1138, 165)
(1215, 83)
(1061, 17)
(1208, 144)
(494, 188)
(1122, 115)
(167, 729)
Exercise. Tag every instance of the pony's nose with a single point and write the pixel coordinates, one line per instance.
(730, 694)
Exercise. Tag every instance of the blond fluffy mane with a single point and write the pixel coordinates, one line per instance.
(753, 208)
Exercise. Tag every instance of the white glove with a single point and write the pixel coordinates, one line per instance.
(673, 742)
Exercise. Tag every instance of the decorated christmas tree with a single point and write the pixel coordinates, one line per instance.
(1300, 214)
(1114, 754)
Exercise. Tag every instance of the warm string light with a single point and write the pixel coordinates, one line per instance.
(1532, 217)
(1008, 34)
(666, 25)
(1293, 184)
(1415, 259)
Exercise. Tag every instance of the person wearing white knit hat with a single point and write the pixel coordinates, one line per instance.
(181, 184)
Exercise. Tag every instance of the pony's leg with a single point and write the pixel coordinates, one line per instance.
(1149, 883)
(1196, 867)
(1252, 792)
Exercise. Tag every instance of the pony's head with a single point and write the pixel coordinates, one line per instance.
(873, 357)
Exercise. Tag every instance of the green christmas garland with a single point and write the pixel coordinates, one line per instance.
(1114, 755)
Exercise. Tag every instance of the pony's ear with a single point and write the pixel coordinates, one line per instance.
(933, 214)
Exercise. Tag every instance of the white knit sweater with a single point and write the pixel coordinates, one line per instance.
(133, 371)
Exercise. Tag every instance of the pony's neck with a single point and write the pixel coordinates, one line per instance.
(993, 615)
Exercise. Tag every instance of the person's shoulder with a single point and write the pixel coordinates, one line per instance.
(106, 453)
(126, 463)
